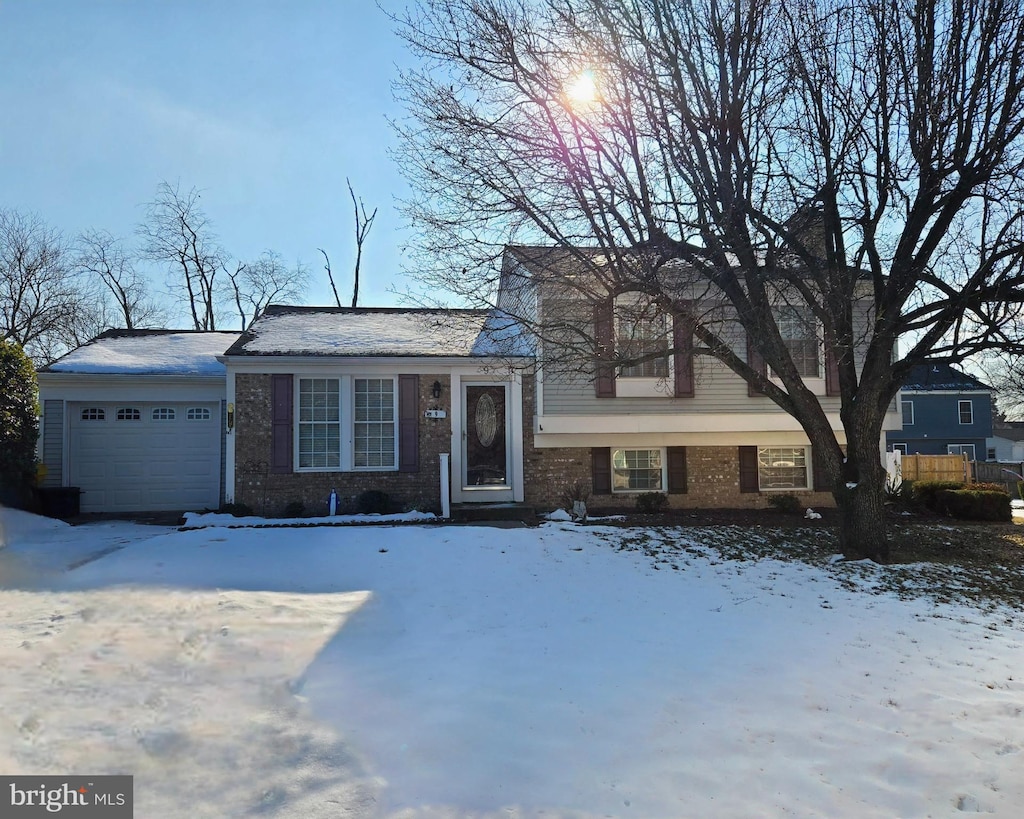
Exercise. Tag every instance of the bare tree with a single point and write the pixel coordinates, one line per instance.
(178, 233)
(1005, 373)
(330, 276)
(106, 260)
(363, 223)
(818, 154)
(265, 281)
(41, 298)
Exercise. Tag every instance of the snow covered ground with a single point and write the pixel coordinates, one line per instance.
(443, 671)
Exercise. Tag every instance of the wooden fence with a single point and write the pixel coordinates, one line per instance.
(1006, 474)
(937, 468)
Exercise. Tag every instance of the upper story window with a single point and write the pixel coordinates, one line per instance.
(163, 413)
(129, 414)
(93, 414)
(799, 331)
(966, 411)
(641, 332)
(908, 413)
(319, 423)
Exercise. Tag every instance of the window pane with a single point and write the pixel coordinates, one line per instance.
(636, 470)
(782, 467)
(966, 412)
(908, 413)
(373, 428)
(641, 331)
(799, 332)
(319, 423)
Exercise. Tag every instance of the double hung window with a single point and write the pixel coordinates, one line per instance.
(347, 423)
(319, 423)
(641, 340)
(782, 467)
(638, 470)
(799, 331)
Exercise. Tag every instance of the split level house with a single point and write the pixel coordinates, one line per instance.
(417, 403)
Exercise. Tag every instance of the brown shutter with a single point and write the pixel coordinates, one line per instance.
(281, 436)
(831, 372)
(604, 336)
(601, 469)
(756, 362)
(682, 341)
(677, 470)
(748, 469)
(408, 423)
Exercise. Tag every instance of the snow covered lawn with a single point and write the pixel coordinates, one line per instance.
(442, 671)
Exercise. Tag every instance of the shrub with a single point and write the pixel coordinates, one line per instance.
(239, 510)
(293, 509)
(986, 487)
(926, 492)
(577, 491)
(19, 420)
(373, 502)
(785, 502)
(972, 504)
(651, 502)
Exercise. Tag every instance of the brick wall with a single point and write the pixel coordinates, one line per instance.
(268, 493)
(713, 476)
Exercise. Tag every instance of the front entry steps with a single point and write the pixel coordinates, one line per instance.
(494, 513)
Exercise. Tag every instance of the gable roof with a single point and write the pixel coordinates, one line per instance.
(381, 332)
(935, 375)
(148, 352)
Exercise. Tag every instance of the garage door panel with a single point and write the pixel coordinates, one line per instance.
(152, 464)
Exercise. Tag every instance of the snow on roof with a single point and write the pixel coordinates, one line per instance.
(148, 352)
(340, 331)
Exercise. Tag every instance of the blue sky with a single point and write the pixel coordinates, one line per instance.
(264, 106)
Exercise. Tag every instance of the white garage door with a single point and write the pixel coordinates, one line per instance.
(135, 457)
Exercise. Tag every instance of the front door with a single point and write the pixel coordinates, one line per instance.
(486, 448)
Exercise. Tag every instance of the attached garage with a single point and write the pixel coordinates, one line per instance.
(154, 456)
(136, 421)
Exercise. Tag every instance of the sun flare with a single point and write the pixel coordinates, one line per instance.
(582, 88)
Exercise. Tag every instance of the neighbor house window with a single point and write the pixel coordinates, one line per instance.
(782, 467)
(966, 412)
(319, 423)
(129, 414)
(163, 413)
(641, 331)
(961, 449)
(638, 470)
(197, 414)
(93, 414)
(799, 332)
(990, 454)
(908, 413)
(373, 423)
(900, 448)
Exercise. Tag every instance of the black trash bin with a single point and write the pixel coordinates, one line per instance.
(60, 501)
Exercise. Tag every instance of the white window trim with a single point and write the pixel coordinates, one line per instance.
(346, 419)
(900, 448)
(905, 403)
(808, 471)
(664, 470)
(959, 412)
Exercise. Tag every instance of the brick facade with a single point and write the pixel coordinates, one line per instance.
(269, 493)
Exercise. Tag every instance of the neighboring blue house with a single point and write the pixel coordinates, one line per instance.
(945, 412)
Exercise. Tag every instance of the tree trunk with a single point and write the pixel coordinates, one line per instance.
(862, 525)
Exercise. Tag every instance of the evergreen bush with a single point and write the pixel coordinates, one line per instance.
(19, 422)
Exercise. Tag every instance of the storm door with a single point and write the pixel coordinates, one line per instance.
(485, 443)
